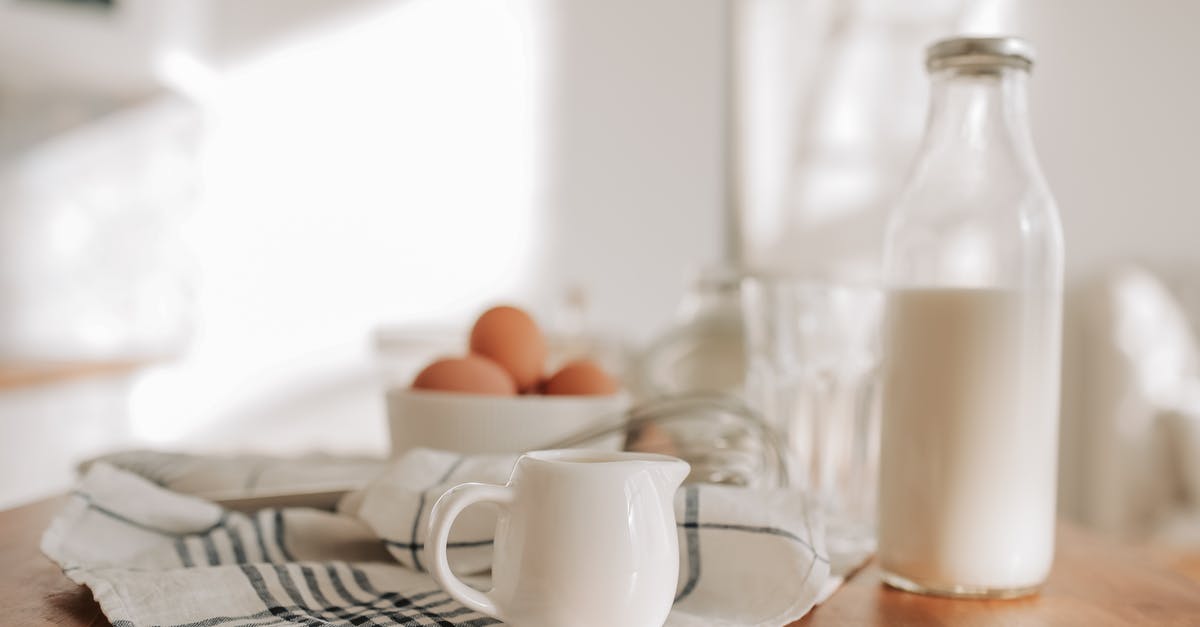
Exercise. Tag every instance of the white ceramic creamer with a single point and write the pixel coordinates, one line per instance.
(584, 538)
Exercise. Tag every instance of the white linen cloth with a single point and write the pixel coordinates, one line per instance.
(152, 556)
(246, 476)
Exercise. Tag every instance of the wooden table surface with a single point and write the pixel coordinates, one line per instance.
(1093, 583)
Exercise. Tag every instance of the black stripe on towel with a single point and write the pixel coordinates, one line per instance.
(289, 586)
(280, 540)
(314, 587)
(210, 545)
(185, 556)
(691, 513)
(425, 610)
(260, 535)
(290, 614)
(775, 531)
(92, 505)
(414, 546)
(418, 546)
(233, 527)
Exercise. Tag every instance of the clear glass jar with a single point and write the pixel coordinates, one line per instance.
(705, 350)
(973, 266)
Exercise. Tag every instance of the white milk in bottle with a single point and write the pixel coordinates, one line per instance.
(969, 441)
(968, 457)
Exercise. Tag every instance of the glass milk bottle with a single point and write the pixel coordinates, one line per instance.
(973, 266)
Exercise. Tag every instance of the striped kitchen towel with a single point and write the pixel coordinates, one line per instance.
(153, 556)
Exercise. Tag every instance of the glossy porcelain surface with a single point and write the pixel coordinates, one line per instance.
(584, 538)
(467, 423)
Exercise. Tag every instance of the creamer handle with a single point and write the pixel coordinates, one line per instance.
(447, 508)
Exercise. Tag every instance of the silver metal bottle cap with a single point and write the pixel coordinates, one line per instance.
(979, 53)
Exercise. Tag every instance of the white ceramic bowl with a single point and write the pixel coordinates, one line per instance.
(468, 423)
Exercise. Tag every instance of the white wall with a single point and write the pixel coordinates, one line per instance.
(833, 106)
(633, 160)
(1114, 98)
(1115, 105)
(410, 162)
(46, 429)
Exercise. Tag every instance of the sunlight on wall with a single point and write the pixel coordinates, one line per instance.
(381, 170)
(833, 98)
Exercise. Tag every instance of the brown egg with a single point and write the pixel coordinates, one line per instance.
(581, 377)
(512, 339)
(470, 375)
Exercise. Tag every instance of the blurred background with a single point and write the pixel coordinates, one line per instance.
(217, 217)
